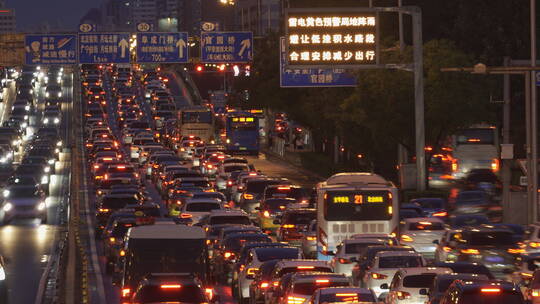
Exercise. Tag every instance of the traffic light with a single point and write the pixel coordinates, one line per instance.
(221, 68)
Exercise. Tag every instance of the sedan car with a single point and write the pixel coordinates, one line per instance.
(23, 202)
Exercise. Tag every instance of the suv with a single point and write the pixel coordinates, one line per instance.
(493, 292)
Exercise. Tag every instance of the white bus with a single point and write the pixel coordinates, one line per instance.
(197, 121)
(475, 148)
(354, 203)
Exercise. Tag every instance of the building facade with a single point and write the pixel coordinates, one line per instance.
(8, 22)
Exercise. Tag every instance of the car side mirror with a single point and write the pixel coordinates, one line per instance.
(436, 242)
(385, 286)
(423, 292)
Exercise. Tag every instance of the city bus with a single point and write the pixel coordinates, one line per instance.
(476, 147)
(354, 203)
(197, 121)
(242, 133)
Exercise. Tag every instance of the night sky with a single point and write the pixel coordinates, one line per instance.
(66, 13)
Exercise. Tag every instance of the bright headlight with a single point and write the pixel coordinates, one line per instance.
(15, 142)
(2, 274)
(25, 117)
(56, 150)
(41, 206)
(51, 161)
(7, 207)
(3, 160)
(47, 94)
(59, 94)
(59, 143)
(46, 120)
(44, 179)
(31, 91)
(24, 125)
(57, 120)
(47, 169)
(27, 108)
(5, 193)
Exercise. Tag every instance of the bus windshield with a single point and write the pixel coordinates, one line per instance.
(197, 117)
(357, 206)
(479, 136)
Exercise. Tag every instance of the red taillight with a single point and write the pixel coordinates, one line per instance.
(125, 292)
(490, 290)
(344, 261)
(441, 213)
(170, 286)
(402, 295)
(378, 276)
(186, 215)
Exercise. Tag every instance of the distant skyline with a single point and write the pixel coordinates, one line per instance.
(64, 13)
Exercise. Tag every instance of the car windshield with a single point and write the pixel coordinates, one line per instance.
(426, 226)
(309, 288)
(21, 192)
(300, 218)
(236, 243)
(347, 297)
(258, 186)
(419, 280)
(491, 238)
(183, 294)
(118, 202)
(503, 297)
(470, 221)
(354, 248)
(266, 254)
(400, 261)
(229, 169)
(430, 203)
(202, 207)
(233, 219)
(276, 204)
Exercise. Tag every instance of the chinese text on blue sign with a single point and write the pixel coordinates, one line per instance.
(312, 77)
(104, 48)
(226, 47)
(162, 47)
(51, 49)
(343, 38)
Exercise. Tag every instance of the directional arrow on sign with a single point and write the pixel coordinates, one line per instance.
(181, 44)
(245, 44)
(124, 45)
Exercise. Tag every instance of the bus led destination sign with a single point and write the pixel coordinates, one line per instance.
(316, 38)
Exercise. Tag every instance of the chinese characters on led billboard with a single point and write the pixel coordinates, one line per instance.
(347, 39)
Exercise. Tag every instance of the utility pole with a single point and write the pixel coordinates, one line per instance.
(506, 140)
(401, 38)
(534, 114)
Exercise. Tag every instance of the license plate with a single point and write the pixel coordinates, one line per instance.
(494, 259)
(243, 148)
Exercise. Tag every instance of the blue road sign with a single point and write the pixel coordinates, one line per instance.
(162, 47)
(299, 78)
(226, 47)
(51, 49)
(104, 48)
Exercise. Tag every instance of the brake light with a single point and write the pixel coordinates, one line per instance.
(535, 293)
(378, 276)
(252, 271)
(516, 250)
(288, 226)
(284, 188)
(170, 286)
(275, 283)
(454, 165)
(264, 285)
(209, 166)
(311, 238)
(112, 239)
(253, 174)
(96, 167)
(186, 215)
(447, 249)
(344, 261)
(103, 210)
(295, 300)
(122, 253)
(495, 165)
(441, 213)
(266, 213)
(490, 290)
(228, 254)
(406, 238)
(125, 292)
(470, 251)
(305, 267)
(209, 292)
(534, 244)
(248, 196)
(402, 295)
(322, 281)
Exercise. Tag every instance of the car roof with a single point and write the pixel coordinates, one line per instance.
(228, 212)
(397, 253)
(332, 290)
(166, 232)
(475, 285)
(423, 219)
(203, 200)
(425, 270)
(302, 262)
(308, 277)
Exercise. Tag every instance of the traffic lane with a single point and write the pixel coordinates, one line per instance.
(177, 88)
(274, 167)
